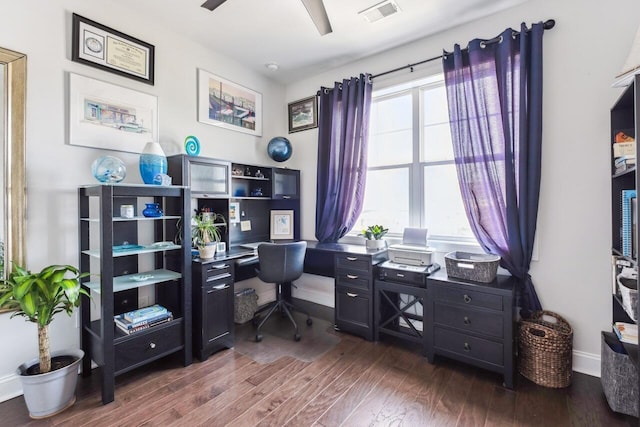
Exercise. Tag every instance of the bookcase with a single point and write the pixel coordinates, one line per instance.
(134, 262)
(625, 119)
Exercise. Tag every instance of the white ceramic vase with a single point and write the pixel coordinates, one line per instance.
(152, 162)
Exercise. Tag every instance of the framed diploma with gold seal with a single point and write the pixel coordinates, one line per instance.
(103, 47)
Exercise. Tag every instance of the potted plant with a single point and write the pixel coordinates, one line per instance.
(374, 235)
(49, 382)
(205, 232)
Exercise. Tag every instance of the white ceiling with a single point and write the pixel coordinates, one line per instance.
(257, 32)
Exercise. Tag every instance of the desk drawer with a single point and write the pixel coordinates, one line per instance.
(354, 312)
(148, 345)
(473, 348)
(354, 262)
(468, 297)
(353, 278)
(468, 319)
(216, 270)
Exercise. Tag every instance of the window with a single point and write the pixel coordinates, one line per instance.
(411, 178)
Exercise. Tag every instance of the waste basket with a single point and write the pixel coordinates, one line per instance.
(245, 305)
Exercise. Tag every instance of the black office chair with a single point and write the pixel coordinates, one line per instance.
(280, 263)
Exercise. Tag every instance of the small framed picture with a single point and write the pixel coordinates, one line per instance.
(303, 114)
(282, 225)
(234, 212)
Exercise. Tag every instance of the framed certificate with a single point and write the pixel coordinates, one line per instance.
(102, 47)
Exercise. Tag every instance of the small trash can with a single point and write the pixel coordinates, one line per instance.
(619, 376)
(245, 305)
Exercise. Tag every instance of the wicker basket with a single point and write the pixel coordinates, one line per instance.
(546, 349)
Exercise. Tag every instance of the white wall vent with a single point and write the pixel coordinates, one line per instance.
(380, 11)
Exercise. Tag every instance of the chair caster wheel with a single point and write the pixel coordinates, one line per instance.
(309, 321)
(296, 337)
(258, 337)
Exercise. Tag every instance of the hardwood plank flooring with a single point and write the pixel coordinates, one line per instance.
(356, 383)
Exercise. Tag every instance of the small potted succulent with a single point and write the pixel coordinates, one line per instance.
(205, 232)
(374, 235)
(48, 382)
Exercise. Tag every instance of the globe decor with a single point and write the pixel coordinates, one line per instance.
(108, 169)
(152, 162)
(279, 149)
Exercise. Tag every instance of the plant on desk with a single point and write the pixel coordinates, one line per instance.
(374, 235)
(205, 233)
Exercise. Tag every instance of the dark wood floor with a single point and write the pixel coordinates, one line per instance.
(357, 383)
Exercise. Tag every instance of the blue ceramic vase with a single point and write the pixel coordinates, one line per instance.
(152, 210)
(152, 162)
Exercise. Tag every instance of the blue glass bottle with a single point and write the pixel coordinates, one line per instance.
(152, 210)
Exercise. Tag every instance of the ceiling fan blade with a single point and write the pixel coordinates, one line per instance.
(212, 4)
(318, 15)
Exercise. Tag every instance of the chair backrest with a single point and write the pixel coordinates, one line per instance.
(281, 262)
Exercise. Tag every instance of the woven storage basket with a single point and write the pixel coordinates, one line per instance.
(546, 350)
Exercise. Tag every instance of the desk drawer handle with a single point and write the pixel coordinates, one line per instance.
(352, 258)
(218, 288)
(399, 275)
(152, 345)
(352, 276)
(219, 267)
(286, 197)
(349, 294)
(466, 298)
(466, 320)
(467, 347)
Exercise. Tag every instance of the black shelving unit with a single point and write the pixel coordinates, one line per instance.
(123, 256)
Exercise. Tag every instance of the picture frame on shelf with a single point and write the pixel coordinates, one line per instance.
(303, 114)
(110, 117)
(99, 46)
(234, 212)
(281, 225)
(228, 105)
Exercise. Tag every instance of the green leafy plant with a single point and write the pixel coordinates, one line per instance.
(374, 232)
(205, 228)
(40, 296)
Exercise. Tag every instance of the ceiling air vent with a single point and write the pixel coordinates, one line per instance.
(380, 11)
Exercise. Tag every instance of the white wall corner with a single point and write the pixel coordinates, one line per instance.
(586, 363)
(10, 387)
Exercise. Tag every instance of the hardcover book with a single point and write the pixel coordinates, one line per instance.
(145, 313)
(121, 320)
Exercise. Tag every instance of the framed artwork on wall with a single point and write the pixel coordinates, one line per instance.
(228, 105)
(281, 225)
(111, 117)
(303, 114)
(102, 47)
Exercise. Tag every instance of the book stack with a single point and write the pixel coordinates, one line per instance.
(629, 212)
(626, 332)
(624, 163)
(142, 318)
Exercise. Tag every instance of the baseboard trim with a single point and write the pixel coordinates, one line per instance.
(10, 387)
(586, 363)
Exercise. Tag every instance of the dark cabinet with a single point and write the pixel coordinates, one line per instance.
(205, 176)
(134, 261)
(473, 322)
(286, 183)
(212, 306)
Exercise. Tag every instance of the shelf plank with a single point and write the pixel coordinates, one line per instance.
(135, 218)
(145, 250)
(123, 283)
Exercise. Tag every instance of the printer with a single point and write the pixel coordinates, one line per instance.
(413, 250)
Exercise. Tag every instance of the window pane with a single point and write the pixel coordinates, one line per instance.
(390, 131)
(444, 211)
(386, 200)
(434, 105)
(436, 132)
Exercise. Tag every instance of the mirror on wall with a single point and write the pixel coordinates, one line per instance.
(13, 84)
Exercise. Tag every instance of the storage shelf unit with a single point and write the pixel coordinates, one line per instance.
(116, 279)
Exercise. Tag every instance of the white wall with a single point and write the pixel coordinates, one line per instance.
(582, 54)
(55, 169)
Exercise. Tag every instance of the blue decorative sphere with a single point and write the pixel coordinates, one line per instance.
(279, 149)
(108, 169)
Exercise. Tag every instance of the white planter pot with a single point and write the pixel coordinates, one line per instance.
(375, 244)
(207, 251)
(53, 392)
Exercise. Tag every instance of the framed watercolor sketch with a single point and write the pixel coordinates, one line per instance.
(282, 225)
(303, 114)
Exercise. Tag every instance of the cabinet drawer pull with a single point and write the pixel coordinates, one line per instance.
(352, 276)
(218, 277)
(467, 347)
(399, 275)
(466, 298)
(218, 267)
(349, 294)
(219, 287)
(466, 320)
(286, 197)
(152, 345)
(352, 258)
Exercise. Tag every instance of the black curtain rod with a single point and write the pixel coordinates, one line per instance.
(548, 24)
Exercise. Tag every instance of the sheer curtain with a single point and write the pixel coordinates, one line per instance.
(494, 90)
(342, 156)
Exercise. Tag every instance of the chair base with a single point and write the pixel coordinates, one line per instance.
(285, 308)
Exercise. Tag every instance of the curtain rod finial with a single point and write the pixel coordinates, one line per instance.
(549, 24)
